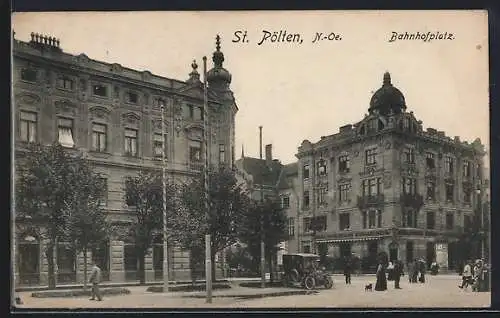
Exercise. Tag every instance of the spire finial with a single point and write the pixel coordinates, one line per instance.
(242, 151)
(217, 43)
(194, 66)
(387, 78)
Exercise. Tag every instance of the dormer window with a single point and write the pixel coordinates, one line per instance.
(409, 155)
(306, 172)
(28, 75)
(321, 167)
(430, 163)
(344, 163)
(132, 97)
(100, 90)
(370, 156)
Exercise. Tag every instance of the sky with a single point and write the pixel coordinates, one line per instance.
(306, 90)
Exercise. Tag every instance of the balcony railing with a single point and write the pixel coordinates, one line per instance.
(370, 201)
(413, 200)
(196, 166)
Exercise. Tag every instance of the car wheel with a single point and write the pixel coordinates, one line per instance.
(328, 283)
(309, 283)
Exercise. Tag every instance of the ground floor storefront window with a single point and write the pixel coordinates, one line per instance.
(66, 263)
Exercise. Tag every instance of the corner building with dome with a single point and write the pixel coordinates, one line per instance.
(384, 184)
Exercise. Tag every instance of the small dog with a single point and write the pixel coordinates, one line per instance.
(19, 301)
(369, 287)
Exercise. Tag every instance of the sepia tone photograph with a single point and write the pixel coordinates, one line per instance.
(250, 159)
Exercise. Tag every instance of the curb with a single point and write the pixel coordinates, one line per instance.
(262, 295)
(78, 293)
(188, 288)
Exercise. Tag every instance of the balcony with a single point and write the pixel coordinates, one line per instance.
(412, 200)
(365, 202)
(196, 166)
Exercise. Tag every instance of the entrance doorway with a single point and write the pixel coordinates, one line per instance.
(101, 255)
(430, 253)
(409, 252)
(393, 251)
(131, 262)
(345, 249)
(28, 263)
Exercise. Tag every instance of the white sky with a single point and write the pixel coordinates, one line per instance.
(300, 91)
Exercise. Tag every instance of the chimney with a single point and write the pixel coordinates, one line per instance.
(269, 154)
(260, 141)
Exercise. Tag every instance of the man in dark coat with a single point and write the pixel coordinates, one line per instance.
(347, 270)
(398, 271)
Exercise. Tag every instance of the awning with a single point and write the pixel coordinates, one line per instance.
(355, 239)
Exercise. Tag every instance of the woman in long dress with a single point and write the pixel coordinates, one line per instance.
(381, 283)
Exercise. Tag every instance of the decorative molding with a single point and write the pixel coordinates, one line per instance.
(387, 179)
(117, 68)
(194, 132)
(65, 106)
(28, 98)
(156, 124)
(99, 111)
(131, 118)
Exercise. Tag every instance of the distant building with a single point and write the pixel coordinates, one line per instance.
(383, 184)
(112, 114)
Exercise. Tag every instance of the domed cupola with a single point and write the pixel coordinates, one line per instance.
(218, 77)
(387, 98)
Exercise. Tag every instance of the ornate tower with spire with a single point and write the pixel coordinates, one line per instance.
(223, 115)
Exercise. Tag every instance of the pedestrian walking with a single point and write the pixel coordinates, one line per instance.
(466, 275)
(95, 279)
(347, 271)
(411, 270)
(421, 269)
(397, 272)
(390, 271)
(478, 276)
(381, 283)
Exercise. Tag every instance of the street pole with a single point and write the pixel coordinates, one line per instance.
(164, 197)
(262, 246)
(208, 255)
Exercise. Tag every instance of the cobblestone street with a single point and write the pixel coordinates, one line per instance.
(439, 291)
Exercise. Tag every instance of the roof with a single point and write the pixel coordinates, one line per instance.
(289, 171)
(262, 172)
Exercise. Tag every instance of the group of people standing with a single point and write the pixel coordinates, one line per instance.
(474, 275)
(416, 271)
(391, 271)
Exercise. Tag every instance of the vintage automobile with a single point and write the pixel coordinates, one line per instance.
(303, 270)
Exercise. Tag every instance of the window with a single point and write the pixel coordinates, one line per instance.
(448, 165)
(478, 171)
(344, 164)
(307, 224)
(409, 155)
(65, 83)
(100, 90)
(132, 97)
(320, 223)
(467, 222)
(431, 190)
(371, 155)
(449, 221)
(344, 221)
(372, 187)
(99, 137)
(130, 142)
(104, 194)
(198, 113)
(222, 153)
(65, 132)
(158, 145)
(431, 220)
(449, 191)
(306, 247)
(321, 167)
(291, 226)
(467, 168)
(285, 202)
(28, 75)
(306, 199)
(467, 195)
(195, 151)
(372, 126)
(371, 218)
(410, 218)
(344, 192)
(28, 123)
(409, 185)
(379, 218)
(322, 194)
(406, 123)
(306, 171)
(430, 163)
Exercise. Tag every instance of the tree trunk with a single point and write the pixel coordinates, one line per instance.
(212, 257)
(85, 269)
(49, 253)
(270, 266)
(142, 269)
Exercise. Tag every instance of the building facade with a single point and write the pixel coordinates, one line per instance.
(384, 184)
(112, 114)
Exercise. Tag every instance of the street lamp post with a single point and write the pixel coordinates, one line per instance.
(164, 197)
(481, 214)
(262, 245)
(208, 259)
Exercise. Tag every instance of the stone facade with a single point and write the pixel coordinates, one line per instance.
(384, 184)
(112, 114)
